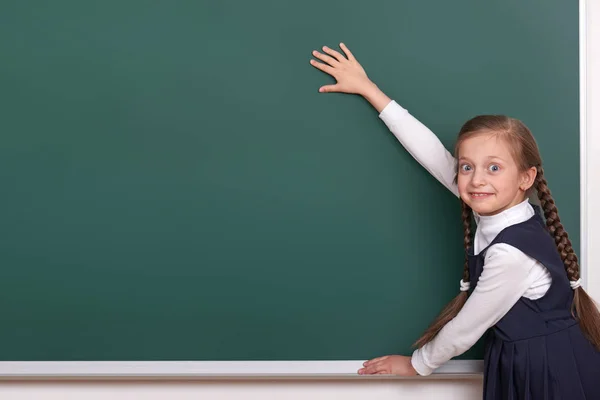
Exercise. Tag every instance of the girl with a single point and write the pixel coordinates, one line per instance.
(521, 271)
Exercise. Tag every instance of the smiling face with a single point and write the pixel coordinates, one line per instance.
(489, 179)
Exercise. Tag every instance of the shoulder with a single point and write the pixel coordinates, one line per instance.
(505, 269)
(528, 236)
(505, 255)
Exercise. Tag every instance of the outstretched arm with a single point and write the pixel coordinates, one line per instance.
(422, 144)
(416, 138)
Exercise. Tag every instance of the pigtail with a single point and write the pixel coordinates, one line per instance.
(584, 308)
(453, 308)
(466, 220)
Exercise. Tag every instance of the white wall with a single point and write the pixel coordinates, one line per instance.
(592, 120)
(281, 390)
(381, 389)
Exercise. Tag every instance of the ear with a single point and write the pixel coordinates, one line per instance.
(528, 178)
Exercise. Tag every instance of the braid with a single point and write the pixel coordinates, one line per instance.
(561, 238)
(466, 219)
(452, 309)
(584, 309)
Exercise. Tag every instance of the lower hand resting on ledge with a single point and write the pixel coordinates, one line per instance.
(391, 365)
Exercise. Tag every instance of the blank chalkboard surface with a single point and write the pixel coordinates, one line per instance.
(174, 187)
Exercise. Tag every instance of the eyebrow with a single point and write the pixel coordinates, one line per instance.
(488, 158)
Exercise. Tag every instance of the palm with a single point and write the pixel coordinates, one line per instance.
(348, 73)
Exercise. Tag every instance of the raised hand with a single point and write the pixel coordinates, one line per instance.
(349, 74)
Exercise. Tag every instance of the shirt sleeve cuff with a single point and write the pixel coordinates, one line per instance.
(392, 111)
(419, 365)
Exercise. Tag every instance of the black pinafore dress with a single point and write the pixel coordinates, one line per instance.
(537, 350)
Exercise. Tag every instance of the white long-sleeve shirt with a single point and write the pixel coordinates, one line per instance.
(508, 273)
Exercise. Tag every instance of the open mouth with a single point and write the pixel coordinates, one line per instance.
(480, 195)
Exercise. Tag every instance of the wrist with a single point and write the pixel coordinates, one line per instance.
(412, 368)
(376, 97)
(369, 90)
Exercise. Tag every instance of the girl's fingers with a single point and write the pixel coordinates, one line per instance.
(323, 67)
(329, 60)
(374, 369)
(375, 360)
(334, 53)
(347, 51)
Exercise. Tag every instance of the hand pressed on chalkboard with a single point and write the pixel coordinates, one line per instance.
(390, 365)
(350, 76)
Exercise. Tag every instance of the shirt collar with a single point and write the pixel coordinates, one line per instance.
(488, 226)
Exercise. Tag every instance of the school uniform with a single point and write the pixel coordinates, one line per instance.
(537, 349)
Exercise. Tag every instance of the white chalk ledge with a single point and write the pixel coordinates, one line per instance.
(215, 370)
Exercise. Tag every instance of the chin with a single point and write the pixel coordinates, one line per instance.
(485, 211)
(483, 208)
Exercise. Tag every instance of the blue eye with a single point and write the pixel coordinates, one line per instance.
(465, 167)
(494, 168)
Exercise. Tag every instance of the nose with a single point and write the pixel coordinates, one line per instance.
(478, 178)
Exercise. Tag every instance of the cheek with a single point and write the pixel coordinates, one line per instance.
(508, 181)
(506, 186)
(462, 184)
(462, 181)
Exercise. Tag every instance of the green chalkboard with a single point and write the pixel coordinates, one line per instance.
(174, 187)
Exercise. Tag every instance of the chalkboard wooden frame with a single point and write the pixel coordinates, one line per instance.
(35, 370)
(210, 370)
